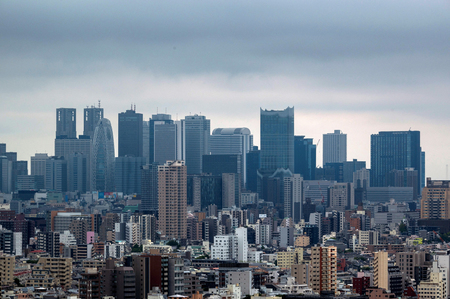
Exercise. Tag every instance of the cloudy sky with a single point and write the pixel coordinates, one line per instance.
(358, 66)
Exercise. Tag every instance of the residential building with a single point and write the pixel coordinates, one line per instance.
(323, 269)
(60, 268)
(435, 203)
(172, 199)
(293, 256)
(49, 242)
(380, 270)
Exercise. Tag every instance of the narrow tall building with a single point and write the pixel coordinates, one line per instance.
(334, 147)
(172, 197)
(130, 134)
(380, 270)
(197, 132)
(323, 267)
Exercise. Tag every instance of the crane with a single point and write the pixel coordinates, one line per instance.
(448, 246)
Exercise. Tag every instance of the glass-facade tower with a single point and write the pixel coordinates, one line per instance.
(277, 139)
(103, 157)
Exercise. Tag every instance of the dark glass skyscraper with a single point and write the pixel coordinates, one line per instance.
(130, 134)
(305, 157)
(394, 150)
(92, 115)
(158, 119)
(66, 123)
(277, 139)
(253, 164)
(197, 131)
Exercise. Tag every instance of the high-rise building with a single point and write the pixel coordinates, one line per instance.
(2, 148)
(38, 164)
(157, 119)
(197, 132)
(394, 150)
(168, 139)
(334, 147)
(231, 190)
(66, 123)
(49, 242)
(350, 167)
(146, 139)
(304, 157)
(435, 203)
(128, 174)
(341, 196)
(172, 199)
(103, 157)
(151, 271)
(323, 269)
(253, 164)
(130, 134)
(56, 174)
(149, 188)
(60, 268)
(293, 197)
(277, 139)
(74, 152)
(380, 270)
(232, 141)
(92, 115)
(5, 175)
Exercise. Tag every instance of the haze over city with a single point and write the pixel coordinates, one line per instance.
(361, 67)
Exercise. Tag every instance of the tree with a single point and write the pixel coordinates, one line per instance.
(403, 228)
(136, 248)
(173, 243)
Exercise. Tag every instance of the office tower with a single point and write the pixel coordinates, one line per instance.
(232, 141)
(394, 150)
(304, 157)
(38, 164)
(334, 147)
(78, 172)
(92, 115)
(128, 174)
(277, 139)
(172, 199)
(70, 148)
(157, 119)
(204, 190)
(167, 141)
(380, 270)
(103, 157)
(149, 188)
(197, 130)
(231, 190)
(56, 174)
(435, 203)
(341, 196)
(49, 242)
(130, 134)
(30, 182)
(5, 175)
(422, 172)
(66, 123)
(350, 167)
(407, 177)
(2, 148)
(253, 164)
(293, 197)
(145, 139)
(218, 164)
(323, 267)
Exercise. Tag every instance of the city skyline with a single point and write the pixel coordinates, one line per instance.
(357, 67)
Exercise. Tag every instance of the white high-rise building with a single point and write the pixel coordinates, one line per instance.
(334, 147)
(133, 233)
(241, 233)
(263, 234)
(225, 247)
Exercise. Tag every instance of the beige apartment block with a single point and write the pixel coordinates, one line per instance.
(60, 268)
(7, 265)
(380, 270)
(323, 268)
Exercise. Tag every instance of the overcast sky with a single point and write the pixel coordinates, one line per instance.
(358, 66)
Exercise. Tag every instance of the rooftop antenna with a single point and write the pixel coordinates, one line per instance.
(131, 106)
(98, 103)
(135, 107)
(446, 172)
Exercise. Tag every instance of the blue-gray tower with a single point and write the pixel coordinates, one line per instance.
(103, 157)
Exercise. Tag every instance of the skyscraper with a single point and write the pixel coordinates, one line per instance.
(197, 130)
(167, 138)
(130, 134)
(157, 119)
(277, 139)
(56, 174)
(172, 198)
(149, 188)
(304, 157)
(128, 174)
(92, 115)
(394, 150)
(232, 141)
(66, 123)
(103, 157)
(334, 147)
(38, 164)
